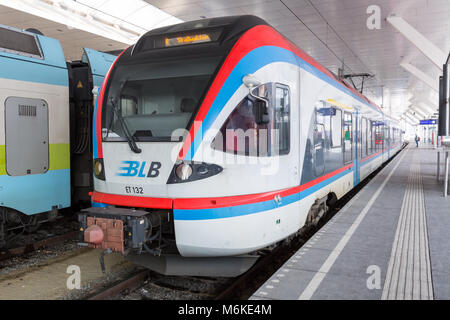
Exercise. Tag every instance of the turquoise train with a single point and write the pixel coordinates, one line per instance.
(46, 107)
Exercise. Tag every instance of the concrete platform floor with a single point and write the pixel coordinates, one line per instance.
(391, 241)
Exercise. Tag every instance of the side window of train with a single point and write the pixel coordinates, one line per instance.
(363, 137)
(321, 137)
(27, 136)
(326, 148)
(242, 135)
(128, 105)
(377, 135)
(336, 128)
(282, 117)
(347, 137)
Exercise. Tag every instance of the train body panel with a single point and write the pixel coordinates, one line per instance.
(99, 62)
(43, 185)
(42, 112)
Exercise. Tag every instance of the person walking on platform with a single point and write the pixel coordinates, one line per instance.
(417, 139)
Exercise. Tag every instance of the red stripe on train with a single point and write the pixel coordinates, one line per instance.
(98, 116)
(205, 203)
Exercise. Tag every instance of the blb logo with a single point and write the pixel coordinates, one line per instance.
(139, 169)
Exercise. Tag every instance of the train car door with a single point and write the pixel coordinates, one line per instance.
(357, 147)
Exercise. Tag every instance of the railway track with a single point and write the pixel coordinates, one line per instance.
(28, 248)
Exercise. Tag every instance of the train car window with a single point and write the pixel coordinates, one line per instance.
(347, 137)
(241, 135)
(336, 128)
(320, 145)
(363, 137)
(282, 117)
(378, 135)
(128, 105)
(19, 43)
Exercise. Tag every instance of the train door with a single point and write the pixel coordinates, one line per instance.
(357, 147)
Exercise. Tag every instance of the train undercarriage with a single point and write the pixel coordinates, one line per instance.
(14, 224)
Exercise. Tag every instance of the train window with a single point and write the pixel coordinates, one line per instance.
(378, 135)
(363, 137)
(18, 42)
(240, 134)
(336, 128)
(27, 139)
(347, 137)
(128, 105)
(281, 117)
(167, 96)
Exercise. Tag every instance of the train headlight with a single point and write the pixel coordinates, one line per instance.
(183, 171)
(99, 170)
(192, 171)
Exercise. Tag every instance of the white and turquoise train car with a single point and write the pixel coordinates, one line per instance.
(35, 151)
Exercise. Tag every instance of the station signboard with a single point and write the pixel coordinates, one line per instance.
(428, 122)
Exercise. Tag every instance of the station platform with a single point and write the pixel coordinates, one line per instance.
(391, 241)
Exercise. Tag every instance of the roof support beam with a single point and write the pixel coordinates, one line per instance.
(412, 115)
(429, 49)
(419, 112)
(432, 83)
(426, 106)
(407, 120)
(422, 108)
(410, 118)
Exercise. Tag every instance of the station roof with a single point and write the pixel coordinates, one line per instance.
(405, 53)
(335, 33)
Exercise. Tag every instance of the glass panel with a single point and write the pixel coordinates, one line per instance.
(281, 121)
(336, 131)
(240, 134)
(363, 137)
(347, 137)
(155, 98)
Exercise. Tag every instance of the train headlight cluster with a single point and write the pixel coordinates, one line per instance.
(191, 171)
(183, 171)
(99, 170)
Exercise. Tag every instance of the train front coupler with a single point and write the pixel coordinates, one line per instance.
(114, 230)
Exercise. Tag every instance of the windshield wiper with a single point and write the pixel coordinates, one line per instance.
(130, 139)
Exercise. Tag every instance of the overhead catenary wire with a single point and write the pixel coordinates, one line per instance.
(324, 42)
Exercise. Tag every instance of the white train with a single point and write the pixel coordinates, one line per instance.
(226, 138)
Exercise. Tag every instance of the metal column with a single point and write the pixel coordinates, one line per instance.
(446, 175)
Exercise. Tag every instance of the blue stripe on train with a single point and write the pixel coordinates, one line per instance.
(36, 193)
(246, 209)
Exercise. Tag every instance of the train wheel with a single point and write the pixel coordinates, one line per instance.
(318, 209)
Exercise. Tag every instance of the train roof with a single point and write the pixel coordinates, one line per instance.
(219, 32)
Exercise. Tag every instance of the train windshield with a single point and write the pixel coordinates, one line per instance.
(151, 100)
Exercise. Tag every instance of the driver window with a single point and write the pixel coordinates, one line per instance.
(242, 135)
(128, 105)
